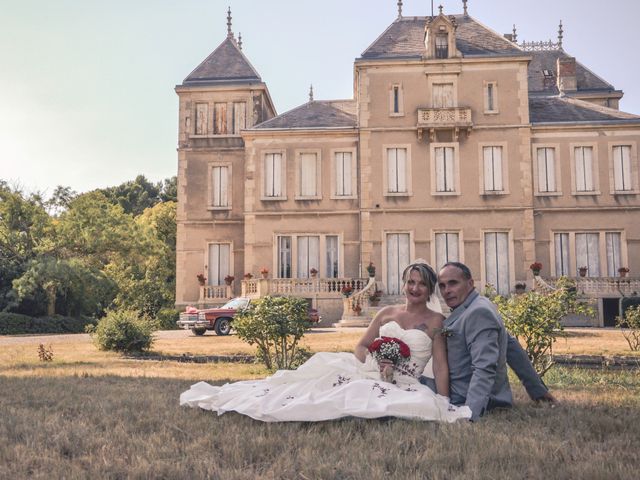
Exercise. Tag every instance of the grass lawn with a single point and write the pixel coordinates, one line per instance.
(92, 414)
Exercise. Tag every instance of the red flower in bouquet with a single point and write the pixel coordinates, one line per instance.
(390, 348)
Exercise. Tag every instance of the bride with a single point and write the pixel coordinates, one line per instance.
(336, 385)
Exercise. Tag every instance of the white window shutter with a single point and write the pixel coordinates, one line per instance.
(219, 262)
(402, 169)
(449, 171)
(440, 169)
(308, 174)
(613, 242)
(496, 249)
(588, 169)
(561, 246)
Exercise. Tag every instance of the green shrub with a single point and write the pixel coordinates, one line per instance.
(535, 318)
(166, 319)
(275, 325)
(17, 324)
(630, 326)
(124, 331)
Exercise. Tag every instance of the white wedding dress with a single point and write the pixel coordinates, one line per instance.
(334, 385)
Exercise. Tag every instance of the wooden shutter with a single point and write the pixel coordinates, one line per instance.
(588, 253)
(202, 116)
(308, 174)
(546, 170)
(446, 249)
(496, 251)
(561, 246)
(308, 255)
(220, 181)
(220, 119)
(273, 174)
(343, 173)
(219, 262)
(398, 250)
(622, 167)
(613, 242)
(239, 117)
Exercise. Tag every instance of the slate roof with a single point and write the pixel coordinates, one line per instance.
(404, 38)
(547, 60)
(227, 64)
(553, 109)
(314, 114)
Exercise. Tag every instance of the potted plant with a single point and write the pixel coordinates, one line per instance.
(264, 272)
(313, 272)
(201, 279)
(347, 290)
(623, 271)
(248, 276)
(535, 268)
(374, 298)
(229, 279)
(583, 271)
(520, 288)
(371, 269)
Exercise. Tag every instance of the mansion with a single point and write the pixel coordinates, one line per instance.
(458, 144)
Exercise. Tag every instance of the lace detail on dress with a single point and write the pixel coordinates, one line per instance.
(419, 343)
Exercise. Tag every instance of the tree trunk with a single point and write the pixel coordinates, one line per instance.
(51, 300)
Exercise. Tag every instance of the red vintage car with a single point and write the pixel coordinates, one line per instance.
(219, 319)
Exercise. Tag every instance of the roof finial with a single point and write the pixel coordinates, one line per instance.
(229, 32)
(311, 93)
(399, 8)
(515, 34)
(560, 32)
(239, 40)
(464, 5)
(440, 7)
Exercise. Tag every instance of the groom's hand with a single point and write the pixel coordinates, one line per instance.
(547, 398)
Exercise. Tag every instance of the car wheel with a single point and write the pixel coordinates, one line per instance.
(223, 326)
(198, 331)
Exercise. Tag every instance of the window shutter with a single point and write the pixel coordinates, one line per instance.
(308, 174)
(402, 169)
(219, 262)
(392, 170)
(239, 117)
(561, 245)
(588, 253)
(202, 113)
(613, 242)
(622, 167)
(220, 112)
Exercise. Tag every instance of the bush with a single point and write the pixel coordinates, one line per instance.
(166, 319)
(630, 326)
(275, 325)
(535, 318)
(17, 324)
(124, 331)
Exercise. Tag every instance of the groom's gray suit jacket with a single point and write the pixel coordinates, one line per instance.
(477, 354)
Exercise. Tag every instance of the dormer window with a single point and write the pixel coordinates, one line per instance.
(442, 45)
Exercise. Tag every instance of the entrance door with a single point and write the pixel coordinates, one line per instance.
(397, 261)
(610, 310)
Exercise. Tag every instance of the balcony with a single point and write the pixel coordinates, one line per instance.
(455, 118)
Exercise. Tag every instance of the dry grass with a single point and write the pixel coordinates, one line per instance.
(91, 414)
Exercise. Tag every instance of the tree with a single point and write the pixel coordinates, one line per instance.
(24, 226)
(275, 325)
(535, 318)
(60, 199)
(169, 189)
(134, 196)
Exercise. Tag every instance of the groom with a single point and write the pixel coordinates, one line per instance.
(479, 348)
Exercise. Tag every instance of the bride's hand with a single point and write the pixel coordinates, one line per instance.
(382, 364)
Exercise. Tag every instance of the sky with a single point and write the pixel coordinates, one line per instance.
(87, 94)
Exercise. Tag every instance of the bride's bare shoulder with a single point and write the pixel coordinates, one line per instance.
(387, 314)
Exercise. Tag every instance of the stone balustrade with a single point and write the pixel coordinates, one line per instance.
(301, 287)
(444, 117)
(598, 286)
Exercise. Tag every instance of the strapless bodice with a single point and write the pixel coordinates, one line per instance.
(419, 343)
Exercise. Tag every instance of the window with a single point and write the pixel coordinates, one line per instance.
(588, 253)
(273, 175)
(496, 261)
(332, 256)
(583, 157)
(442, 95)
(396, 107)
(613, 244)
(397, 170)
(622, 168)
(343, 179)
(561, 245)
(220, 119)
(447, 246)
(220, 185)
(398, 257)
(239, 117)
(298, 254)
(308, 175)
(491, 97)
(202, 116)
(492, 172)
(219, 262)
(546, 170)
(442, 46)
(445, 169)
(284, 257)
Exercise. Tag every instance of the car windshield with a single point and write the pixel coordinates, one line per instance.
(237, 303)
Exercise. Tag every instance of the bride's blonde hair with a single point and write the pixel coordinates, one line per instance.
(427, 274)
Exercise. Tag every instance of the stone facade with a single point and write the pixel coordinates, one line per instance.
(459, 144)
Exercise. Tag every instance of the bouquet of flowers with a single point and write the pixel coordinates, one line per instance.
(392, 349)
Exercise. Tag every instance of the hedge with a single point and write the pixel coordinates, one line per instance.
(17, 324)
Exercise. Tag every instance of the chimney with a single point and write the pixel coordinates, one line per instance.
(567, 74)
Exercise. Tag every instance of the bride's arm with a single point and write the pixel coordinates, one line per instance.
(440, 362)
(373, 332)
